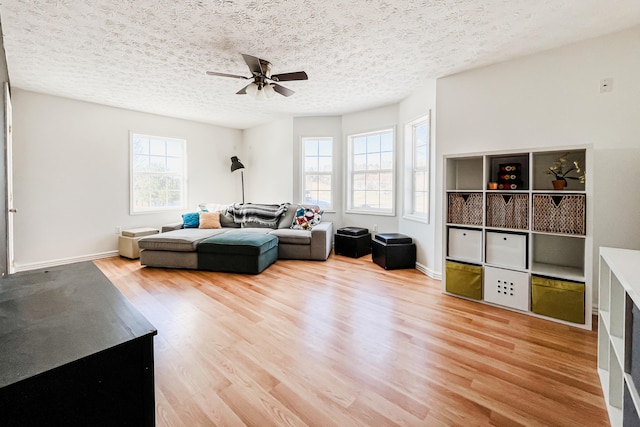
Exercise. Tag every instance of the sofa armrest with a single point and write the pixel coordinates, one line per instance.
(321, 241)
(171, 227)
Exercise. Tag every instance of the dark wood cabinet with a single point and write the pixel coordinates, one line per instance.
(73, 351)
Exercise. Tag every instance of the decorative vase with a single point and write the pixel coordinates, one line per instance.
(559, 184)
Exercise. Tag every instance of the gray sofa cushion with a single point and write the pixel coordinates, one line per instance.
(226, 220)
(293, 237)
(287, 218)
(183, 240)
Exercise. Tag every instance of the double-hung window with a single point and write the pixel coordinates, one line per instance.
(371, 171)
(317, 172)
(158, 173)
(418, 146)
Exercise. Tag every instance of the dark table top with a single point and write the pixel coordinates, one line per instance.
(54, 316)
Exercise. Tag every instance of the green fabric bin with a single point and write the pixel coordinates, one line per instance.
(464, 280)
(558, 299)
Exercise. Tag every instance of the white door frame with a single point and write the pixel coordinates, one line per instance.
(8, 108)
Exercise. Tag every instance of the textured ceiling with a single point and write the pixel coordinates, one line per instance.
(152, 55)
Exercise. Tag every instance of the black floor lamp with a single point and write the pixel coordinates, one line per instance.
(235, 165)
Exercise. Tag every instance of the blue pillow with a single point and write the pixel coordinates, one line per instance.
(191, 220)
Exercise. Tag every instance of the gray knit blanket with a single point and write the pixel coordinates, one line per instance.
(265, 215)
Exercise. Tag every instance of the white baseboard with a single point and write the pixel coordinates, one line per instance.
(424, 270)
(63, 261)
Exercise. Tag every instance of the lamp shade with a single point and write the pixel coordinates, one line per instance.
(236, 164)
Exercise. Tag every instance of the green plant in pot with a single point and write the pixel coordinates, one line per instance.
(561, 169)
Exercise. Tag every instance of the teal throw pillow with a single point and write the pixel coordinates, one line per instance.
(191, 220)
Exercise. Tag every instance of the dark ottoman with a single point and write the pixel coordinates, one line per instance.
(238, 252)
(393, 250)
(353, 242)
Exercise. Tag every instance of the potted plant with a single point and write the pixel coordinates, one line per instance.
(561, 168)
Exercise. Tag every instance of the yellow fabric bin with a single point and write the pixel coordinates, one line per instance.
(558, 299)
(464, 280)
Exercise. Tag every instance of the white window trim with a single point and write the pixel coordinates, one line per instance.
(409, 159)
(331, 209)
(349, 170)
(131, 173)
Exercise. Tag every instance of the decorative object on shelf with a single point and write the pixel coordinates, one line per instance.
(493, 186)
(235, 165)
(510, 176)
(561, 168)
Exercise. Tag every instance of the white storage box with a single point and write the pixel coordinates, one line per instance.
(140, 232)
(465, 244)
(506, 249)
(128, 242)
(506, 287)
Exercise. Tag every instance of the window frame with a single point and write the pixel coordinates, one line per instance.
(411, 170)
(350, 173)
(304, 173)
(133, 173)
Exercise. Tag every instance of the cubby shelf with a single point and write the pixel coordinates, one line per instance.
(532, 229)
(619, 334)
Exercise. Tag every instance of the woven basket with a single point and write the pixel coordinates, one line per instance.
(508, 211)
(465, 208)
(559, 214)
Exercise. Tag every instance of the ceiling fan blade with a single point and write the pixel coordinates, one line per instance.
(235, 76)
(287, 77)
(254, 64)
(243, 91)
(282, 90)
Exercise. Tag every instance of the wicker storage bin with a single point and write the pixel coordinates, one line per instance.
(559, 214)
(465, 208)
(558, 299)
(464, 280)
(508, 211)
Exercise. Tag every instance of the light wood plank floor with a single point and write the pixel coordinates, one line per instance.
(346, 343)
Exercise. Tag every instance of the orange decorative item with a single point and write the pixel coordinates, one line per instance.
(559, 184)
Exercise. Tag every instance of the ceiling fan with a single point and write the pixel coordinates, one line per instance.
(264, 83)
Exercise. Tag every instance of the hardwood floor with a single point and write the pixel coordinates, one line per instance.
(346, 343)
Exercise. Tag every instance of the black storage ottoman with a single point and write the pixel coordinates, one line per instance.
(393, 250)
(353, 242)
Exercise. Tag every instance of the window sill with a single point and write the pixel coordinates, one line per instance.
(356, 212)
(416, 218)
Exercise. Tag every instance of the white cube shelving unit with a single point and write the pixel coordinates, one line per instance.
(619, 334)
(525, 227)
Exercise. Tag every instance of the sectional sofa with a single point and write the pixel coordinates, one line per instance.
(177, 246)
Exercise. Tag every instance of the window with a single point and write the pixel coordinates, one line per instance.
(158, 173)
(317, 172)
(418, 146)
(371, 172)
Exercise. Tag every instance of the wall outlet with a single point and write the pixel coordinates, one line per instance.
(375, 228)
(606, 85)
(118, 229)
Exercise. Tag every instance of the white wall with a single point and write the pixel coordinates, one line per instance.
(71, 169)
(553, 99)
(424, 234)
(268, 161)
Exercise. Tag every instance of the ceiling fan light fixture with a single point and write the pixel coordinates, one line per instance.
(268, 90)
(261, 88)
(252, 89)
(261, 95)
